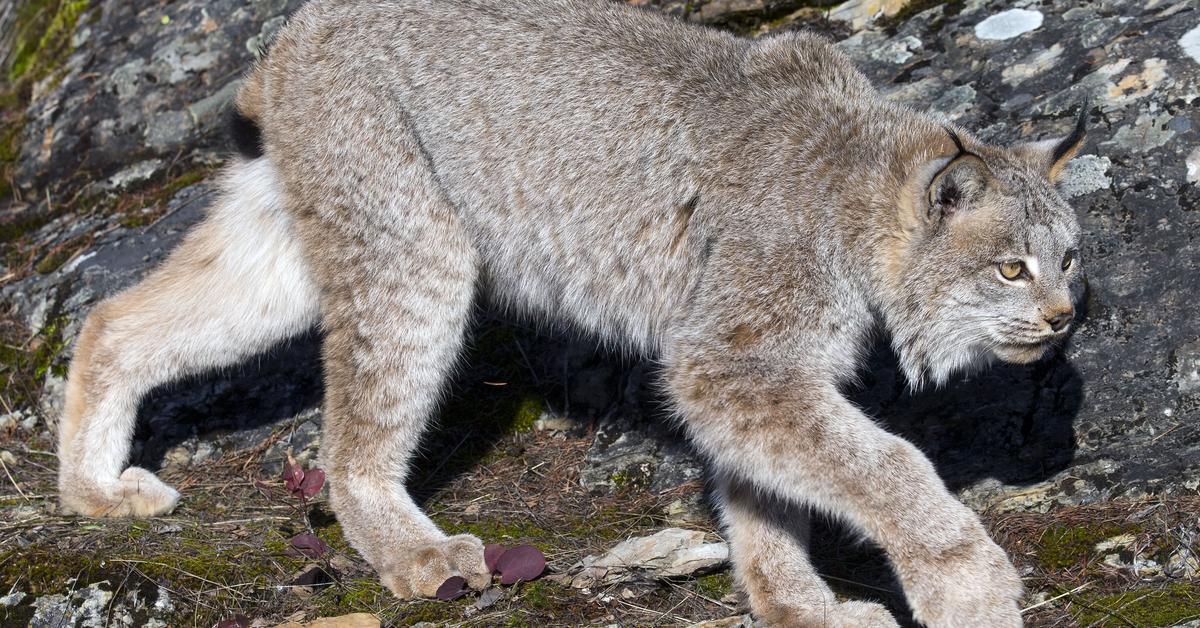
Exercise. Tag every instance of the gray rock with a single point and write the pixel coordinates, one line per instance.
(1085, 175)
(168, 129)
(669, 553)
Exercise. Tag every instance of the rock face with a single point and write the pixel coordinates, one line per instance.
(1116, 414)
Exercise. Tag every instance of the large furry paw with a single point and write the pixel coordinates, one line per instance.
(972, 585)
(137, 493)
(418, 571)
(834, 615)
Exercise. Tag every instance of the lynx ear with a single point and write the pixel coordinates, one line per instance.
(1050, 156)
(957, 183)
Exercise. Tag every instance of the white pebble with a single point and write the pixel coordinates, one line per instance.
(1191, 43)
(1008, 24)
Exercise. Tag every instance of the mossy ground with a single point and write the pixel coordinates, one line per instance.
(1064, 564)
(223, 551)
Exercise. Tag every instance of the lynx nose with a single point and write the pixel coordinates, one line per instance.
(1059, 321)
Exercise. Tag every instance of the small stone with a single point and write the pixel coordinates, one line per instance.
(549, 423)
(488, 598)
(1120, 541)
(1187, 368)
(1193, 166)
(686, 510)
(1009, 24)
(12, 599)
(7, 457)
(177, 457)
(1183, 563)
(672, 552)
(141, 171)
(1190, 42)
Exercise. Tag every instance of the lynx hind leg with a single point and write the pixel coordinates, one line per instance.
(235, 286)
(769, 546)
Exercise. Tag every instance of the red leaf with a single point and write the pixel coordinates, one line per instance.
(453, 587)
(492, 553)
(309, 545)
(313, 480)
(523, 562)
(293, 475)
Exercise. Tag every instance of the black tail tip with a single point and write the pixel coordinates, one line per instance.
(246, 134)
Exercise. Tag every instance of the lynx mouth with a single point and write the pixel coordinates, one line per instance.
(1022, 352)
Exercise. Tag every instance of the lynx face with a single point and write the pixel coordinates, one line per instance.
(1018, 254)
(994, 268)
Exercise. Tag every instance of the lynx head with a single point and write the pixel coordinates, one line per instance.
(991, 257)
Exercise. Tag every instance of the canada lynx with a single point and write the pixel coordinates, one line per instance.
(745, 211)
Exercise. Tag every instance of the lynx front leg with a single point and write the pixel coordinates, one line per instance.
(771, 565)
(395, 320)
(792, 434)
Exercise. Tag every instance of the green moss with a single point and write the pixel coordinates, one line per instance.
(46, 358)
(43, 41)
(39, 571)
(623, 479)
(537, 595)
(529, 410)
(1065, 546)
(715, 586)
(54, 260)
(496, 530)
(1165, 606)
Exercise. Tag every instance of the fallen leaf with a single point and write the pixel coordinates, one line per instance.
(309, 545)
(313, 480)
(293, 475)
(523, 562)
(491, 553)
(241, 621)
(454, 587)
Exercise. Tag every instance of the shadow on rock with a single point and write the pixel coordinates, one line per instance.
(193, 419)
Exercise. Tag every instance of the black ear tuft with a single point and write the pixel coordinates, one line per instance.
(1071, 143)
(246, 134)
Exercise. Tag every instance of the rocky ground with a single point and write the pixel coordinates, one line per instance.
(1086, 466)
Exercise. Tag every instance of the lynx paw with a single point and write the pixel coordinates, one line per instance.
(419, 571)
(137, 493)
(836, 615)
(866, 614)
(980, 588)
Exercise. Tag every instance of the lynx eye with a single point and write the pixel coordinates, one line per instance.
(1012, 269)
(1069, 259)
